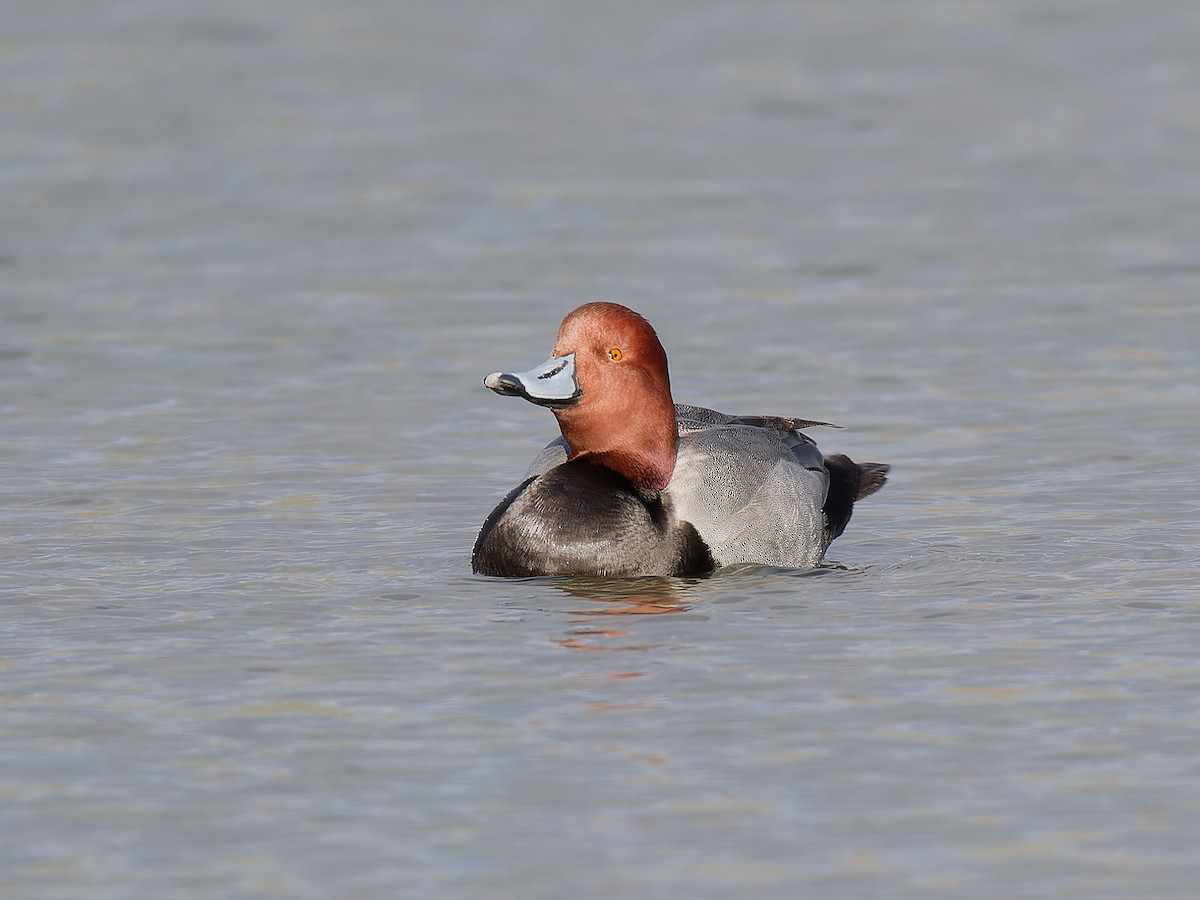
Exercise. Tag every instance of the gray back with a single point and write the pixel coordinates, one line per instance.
(752, 487)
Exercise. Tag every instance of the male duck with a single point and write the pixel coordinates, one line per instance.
(639, 486)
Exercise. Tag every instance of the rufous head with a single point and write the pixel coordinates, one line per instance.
(608, 385)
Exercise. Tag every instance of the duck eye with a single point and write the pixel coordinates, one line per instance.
(615, 353)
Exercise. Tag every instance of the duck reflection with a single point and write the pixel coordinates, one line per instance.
(619, 597)
(629, 596)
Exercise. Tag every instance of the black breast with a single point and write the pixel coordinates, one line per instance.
(581, 518)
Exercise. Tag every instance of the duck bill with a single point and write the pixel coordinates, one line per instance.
(552, 384)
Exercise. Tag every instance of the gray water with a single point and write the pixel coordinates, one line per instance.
(255, 259)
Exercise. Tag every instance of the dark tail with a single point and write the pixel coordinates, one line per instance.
(849, 481)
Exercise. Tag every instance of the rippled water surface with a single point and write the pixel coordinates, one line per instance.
(255, 259)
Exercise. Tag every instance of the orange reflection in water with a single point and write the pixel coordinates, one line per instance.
(628, 596)
(591, 640)
(594, 640)
(624, 597)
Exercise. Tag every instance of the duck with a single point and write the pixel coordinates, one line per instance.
(639, 485)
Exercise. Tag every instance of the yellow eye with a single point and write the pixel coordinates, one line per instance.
(615, 353)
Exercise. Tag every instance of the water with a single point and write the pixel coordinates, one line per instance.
(256, 258)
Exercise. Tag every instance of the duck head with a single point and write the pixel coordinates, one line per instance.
(607, 383)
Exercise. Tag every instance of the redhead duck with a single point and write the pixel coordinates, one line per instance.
(637, 485)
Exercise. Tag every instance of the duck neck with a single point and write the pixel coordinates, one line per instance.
(641, 447)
